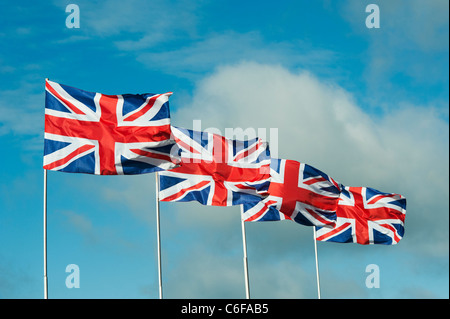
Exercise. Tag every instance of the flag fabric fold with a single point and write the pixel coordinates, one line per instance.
(94, 133)
(342, 214)
(297, 192)
(215, 170)
(366, 216)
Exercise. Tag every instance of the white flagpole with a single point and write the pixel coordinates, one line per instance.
(158, 235)
(45, 236)
(317, 262)
(244, 245)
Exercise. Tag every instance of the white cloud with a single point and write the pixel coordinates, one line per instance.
(405, 151)
(146, 23)
(95, 234)
(207, 53)
(416, 24)
(410, 45)
(21, 110)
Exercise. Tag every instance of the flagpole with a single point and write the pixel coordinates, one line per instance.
(45, 236)
(244, 245)
(158, 236)
(317, 262)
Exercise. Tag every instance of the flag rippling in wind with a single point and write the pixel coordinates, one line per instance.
(342, 214)
(367, 216)
(94, 133)
(215, 170)
(298, 192)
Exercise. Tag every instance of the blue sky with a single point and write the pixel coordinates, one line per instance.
(367, 106)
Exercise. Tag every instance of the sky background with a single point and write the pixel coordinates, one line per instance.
(369, 107)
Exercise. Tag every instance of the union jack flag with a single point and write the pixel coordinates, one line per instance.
(298, 192)
(215, 170)
(94, 133)
(367, 216)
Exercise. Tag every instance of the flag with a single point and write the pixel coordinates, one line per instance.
(298, 192)
(215, 170)
(94, 133)
(367, 216)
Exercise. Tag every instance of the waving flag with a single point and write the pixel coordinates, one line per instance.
(94, 133)
(215, 170)
(298, 192)
(367, 216)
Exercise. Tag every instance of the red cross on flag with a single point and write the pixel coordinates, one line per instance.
(94, 133)
(367, 216)
(215, 170)
(298, 192)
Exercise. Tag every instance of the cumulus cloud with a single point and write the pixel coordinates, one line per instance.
(415, 24)
(203, 55)
(21, 110)
(94, 234)
(147, 23)
(409, 47)
(403, 151)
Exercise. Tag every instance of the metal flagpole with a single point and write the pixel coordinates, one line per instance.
(158, 235)
(244, 245)
(317, 262)
(45, 232)
(45, 236)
